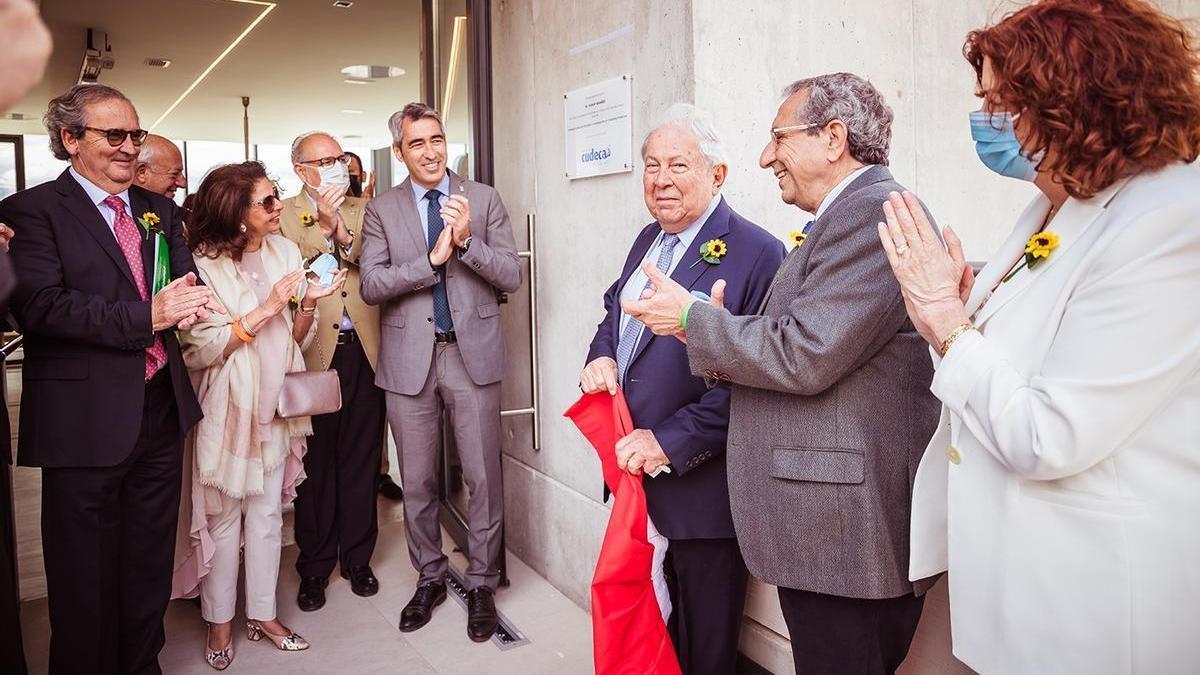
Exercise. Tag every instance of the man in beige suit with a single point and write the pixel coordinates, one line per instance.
(436, 250)
(336, 519)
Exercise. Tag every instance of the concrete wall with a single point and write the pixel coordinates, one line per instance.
(732, 60)
(554, 514)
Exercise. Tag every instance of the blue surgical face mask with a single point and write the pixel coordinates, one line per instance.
(997, 146)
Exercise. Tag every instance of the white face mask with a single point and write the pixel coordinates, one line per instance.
(336, 174)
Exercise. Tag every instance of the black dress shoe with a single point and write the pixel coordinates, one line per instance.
(388, 488)
(312, 593)
(419, 610)
(362, 580)
(482, 618)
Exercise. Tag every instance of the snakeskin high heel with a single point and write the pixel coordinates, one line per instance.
(291, 642)
(219, 659)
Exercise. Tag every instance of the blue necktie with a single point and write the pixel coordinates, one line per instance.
(633, 329)
(441, 304)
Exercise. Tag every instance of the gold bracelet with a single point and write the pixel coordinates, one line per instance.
(307, 312)
(954, 335)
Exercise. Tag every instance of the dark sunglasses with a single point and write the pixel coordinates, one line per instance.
(269, 201)
(116, 137)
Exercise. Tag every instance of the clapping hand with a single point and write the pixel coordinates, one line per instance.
(934, 277)
(328, 217)
(456, 213)
(6, 235)
(442, 248)
(179, 302)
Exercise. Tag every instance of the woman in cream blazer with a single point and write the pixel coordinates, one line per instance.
(1061, 490)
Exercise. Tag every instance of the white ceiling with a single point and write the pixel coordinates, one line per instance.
(289, 65)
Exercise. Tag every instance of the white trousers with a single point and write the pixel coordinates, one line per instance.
(258, 521)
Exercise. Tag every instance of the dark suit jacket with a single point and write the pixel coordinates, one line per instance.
(831, 408)
(86, 328)
(688, 418)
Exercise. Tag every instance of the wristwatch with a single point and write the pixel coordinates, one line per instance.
(466, 244)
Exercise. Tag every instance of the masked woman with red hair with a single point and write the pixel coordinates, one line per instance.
(1062, 488)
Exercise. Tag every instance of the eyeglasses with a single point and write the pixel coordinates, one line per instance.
(326, 162)
(268, 203)
(116, 137)
(779, 133)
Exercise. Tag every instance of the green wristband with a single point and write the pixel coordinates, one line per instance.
(684, 315)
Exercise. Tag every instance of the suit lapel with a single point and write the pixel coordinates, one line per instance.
(1013, 247)
(88, 215)
(408, 214)
(1069, 224)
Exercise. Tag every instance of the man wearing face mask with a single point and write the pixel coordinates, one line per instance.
(336, 520)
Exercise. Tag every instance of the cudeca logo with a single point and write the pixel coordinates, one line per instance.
(596, 155)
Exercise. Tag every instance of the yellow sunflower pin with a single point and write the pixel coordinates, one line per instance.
(711, 252)
(797, 237)
(1038, 248)
(306, 219)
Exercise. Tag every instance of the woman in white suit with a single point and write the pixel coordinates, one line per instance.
(1062, 488)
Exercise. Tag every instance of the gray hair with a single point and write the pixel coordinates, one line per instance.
(150, 148)
(696, 121)
(299, 143)
(69, 112)
(854, 101)
(411, 112)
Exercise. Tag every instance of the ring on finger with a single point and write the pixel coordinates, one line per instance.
(902, 249)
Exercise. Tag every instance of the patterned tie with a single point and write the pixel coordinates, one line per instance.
(441, 304)
(130, 242)
(633, 328)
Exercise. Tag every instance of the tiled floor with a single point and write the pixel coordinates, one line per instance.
(353, 635)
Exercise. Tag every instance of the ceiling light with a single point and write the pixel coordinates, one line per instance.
(343, 4)
(357, 81)
(352, 111)
(158, 63)
(364, 72)
(267, 7)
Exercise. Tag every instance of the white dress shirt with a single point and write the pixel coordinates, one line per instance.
(98, 194)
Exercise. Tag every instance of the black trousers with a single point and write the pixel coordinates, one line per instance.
(849, 636)
(707, 579)
(336, 518)
(12, 657)
(108, 535)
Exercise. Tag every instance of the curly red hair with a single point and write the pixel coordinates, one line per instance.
(1107, 88)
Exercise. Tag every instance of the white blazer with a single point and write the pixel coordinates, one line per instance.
(1062, 487)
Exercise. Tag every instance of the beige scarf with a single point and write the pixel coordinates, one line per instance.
(230, 451)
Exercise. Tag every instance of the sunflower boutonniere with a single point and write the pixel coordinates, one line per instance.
(797, 238)
(306, 219)
(711, 252)
(1037, 249)
(150, 223)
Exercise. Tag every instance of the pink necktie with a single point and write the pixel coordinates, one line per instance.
(130, 242)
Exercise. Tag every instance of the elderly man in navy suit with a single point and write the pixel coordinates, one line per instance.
(680, 421)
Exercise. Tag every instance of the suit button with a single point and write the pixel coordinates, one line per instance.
(420, 286)
(343, 294)
(953, 455)
(335, 325)
(429, 319)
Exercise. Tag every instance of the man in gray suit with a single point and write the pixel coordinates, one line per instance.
(436, 250)
(831, 406)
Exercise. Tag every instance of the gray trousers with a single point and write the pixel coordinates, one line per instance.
(416, 425)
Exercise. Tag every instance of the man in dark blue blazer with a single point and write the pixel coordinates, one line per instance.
(105, 397)
(680, 422)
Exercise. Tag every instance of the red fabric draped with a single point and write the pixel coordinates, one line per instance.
(628, 632)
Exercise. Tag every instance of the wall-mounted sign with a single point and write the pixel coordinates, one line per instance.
(599, 128)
